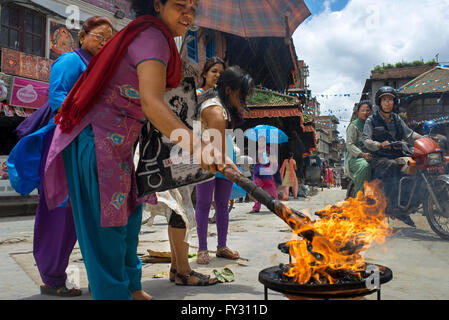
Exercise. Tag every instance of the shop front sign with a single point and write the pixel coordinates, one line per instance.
(28, 93)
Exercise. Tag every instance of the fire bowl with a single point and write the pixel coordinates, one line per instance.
(274, 279)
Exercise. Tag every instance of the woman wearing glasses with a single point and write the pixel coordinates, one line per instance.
(92, 37)
(54, 230)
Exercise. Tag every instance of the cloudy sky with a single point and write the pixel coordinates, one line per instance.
(344, 40)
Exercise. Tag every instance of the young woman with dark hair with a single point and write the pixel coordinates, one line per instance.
(212, 70)
(220, 109)
(97, 127)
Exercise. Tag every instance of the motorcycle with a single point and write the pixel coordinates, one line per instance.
(423, 182)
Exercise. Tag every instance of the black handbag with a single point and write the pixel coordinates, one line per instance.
(160, 167)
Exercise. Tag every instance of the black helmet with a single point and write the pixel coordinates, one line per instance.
(383, 91)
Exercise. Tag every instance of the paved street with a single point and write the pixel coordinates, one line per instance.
(418, 258)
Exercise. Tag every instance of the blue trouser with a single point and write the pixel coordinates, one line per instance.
(110, 254)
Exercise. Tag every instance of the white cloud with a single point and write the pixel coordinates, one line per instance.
(341, 48)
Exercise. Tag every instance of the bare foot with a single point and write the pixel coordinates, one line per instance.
(141, 295)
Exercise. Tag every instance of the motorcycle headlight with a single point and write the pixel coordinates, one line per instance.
(434, 158)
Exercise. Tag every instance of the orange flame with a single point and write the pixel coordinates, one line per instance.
(345, 230)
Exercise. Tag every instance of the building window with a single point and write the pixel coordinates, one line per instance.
(210, 44)
(22, 29)
(192, 46)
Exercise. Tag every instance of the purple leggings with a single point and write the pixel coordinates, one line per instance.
(204, 192)
(54, 234)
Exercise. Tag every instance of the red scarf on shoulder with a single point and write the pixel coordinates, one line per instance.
(103, 66)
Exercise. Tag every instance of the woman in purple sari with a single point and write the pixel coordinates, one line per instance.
(54, 230)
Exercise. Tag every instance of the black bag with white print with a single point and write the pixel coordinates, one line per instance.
(157, 170)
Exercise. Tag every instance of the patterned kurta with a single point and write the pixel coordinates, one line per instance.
(116, 120)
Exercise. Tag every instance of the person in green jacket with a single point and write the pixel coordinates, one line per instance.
(357, 165)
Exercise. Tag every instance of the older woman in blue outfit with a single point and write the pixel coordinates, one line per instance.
(54, 230)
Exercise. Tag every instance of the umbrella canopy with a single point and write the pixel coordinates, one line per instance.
(271, 134)
(252, 18)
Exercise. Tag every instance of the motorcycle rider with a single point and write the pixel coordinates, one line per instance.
(382, 128)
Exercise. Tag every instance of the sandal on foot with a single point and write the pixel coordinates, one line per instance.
(225, 252)
(202, 257)
(60, 292)
(203, 280)
(172, 272)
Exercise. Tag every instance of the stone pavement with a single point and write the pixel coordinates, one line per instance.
(418, 258)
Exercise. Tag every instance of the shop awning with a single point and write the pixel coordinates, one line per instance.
(273, 113)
